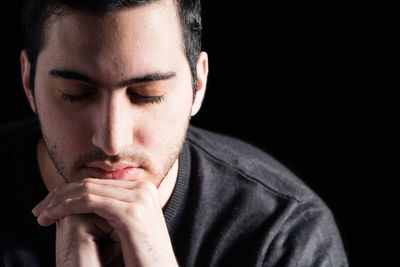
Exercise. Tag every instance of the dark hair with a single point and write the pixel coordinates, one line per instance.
(37, 12)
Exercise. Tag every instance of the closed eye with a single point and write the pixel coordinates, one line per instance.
(74, 99)
(134, 98)
(140, 99)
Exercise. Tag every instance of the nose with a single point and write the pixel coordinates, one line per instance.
(112, 131)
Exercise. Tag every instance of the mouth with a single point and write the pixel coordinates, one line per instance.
(117, 171)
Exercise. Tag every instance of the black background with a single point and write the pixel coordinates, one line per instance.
(290, 78)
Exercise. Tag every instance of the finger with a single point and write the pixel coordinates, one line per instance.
(104, 201)
(138, 192)
(116, 183)
(63, 202)
(55, 193)
(44, 203)
(104, 207)
(60, 191)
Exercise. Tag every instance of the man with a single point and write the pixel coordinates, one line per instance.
(111, 168)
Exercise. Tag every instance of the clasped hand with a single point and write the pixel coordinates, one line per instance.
(107, 223)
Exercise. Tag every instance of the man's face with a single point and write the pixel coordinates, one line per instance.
(113, 93)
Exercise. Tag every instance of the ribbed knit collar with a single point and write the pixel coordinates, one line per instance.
(174, 206)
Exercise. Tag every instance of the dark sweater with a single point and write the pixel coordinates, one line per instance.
(233, 205)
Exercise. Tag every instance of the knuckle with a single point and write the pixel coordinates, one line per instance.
(147, 186)
(55, 201)
(55, 190)
(88, 198)
(146, 193)
(142, 197)
(67, 202)
(134, 211)
(86, 186)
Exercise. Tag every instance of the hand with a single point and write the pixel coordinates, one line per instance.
(131, 208)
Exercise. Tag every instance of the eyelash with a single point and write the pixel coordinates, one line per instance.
(72, 99)
(135, 98)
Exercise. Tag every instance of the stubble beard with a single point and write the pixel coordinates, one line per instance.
(55, 154)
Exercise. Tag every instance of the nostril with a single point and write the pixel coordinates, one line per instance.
(112, 139)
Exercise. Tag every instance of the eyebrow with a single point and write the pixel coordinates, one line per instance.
(74, 75)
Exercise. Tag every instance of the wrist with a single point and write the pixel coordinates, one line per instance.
(75, 247)
(148, 255)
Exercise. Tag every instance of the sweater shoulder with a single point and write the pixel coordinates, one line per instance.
(249, 163)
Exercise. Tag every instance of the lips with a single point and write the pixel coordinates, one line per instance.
(117, 171)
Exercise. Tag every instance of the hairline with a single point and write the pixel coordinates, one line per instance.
(58, 9)
(64, 10)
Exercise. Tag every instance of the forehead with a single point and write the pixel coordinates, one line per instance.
(134, 40)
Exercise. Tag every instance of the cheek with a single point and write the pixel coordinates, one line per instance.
(67, 130)
(166, 126)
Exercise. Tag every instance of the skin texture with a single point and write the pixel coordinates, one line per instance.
(103, 216)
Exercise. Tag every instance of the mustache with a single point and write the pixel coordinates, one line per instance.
(97, 154)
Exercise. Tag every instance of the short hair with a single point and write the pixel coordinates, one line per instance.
(36, 13)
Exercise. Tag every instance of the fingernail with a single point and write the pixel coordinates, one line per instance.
(38, 208)
(34, 211)
(41, 218)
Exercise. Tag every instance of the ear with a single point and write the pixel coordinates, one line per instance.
(202, 74)
(26, 79)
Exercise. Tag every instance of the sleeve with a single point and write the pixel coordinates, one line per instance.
(308, 237)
